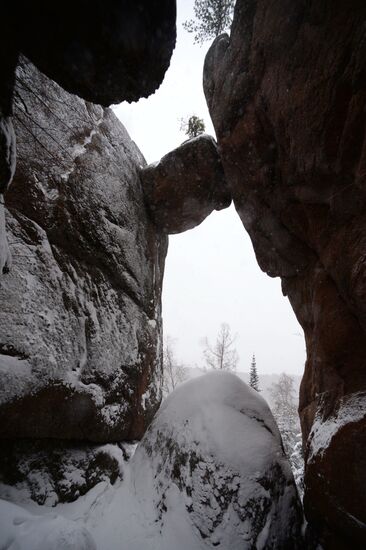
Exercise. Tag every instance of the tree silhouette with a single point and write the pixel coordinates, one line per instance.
(222, 355)
(193, 127)
(254, 378)
(174, 373)
(212, 17)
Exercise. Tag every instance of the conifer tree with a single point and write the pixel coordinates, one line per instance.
(192, 127)
(254, 378)
(212, 17)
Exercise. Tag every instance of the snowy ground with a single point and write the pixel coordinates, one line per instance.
(213, 428)
(107, 518)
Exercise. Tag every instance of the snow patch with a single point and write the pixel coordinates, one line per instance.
(21, 530)
(351, 409)
(14, 372)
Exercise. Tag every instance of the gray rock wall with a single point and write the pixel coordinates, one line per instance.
(80, 321)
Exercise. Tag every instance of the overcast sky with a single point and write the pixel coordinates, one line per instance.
(211, 274)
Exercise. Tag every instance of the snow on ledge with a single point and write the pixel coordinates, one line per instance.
(352, 409)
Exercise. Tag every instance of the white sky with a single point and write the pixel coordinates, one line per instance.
(211, 274)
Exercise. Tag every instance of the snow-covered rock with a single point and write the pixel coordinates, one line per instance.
(50, 472)
(79, 353)
(335, 473)
(209, 473)
(214, 453)
(7, 152)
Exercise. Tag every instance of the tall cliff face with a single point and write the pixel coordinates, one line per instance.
(287, 95)
(80, 322)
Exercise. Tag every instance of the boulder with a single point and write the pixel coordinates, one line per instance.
(80, 323)
(186, 185)
(212, 461)
(286, 93)
(106, 52)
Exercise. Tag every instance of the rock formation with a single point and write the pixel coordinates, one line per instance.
(287, 95)
(214, 453)
(81, 305)
(186, 185)
(105, 53)
(50, 472)
(80, 323)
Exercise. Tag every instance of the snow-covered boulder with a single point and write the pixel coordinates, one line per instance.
(212, 463)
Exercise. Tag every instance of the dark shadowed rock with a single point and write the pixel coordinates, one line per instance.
(80, 321)
(214, 452)
(105, 52)
(336, 461)
(186, 185)
(287, 94)
(54, 471)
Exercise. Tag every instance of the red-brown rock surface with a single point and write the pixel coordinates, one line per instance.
(186, 185)
(287, 96)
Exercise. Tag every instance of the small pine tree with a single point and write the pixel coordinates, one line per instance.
(254, 378)
(193, 127)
